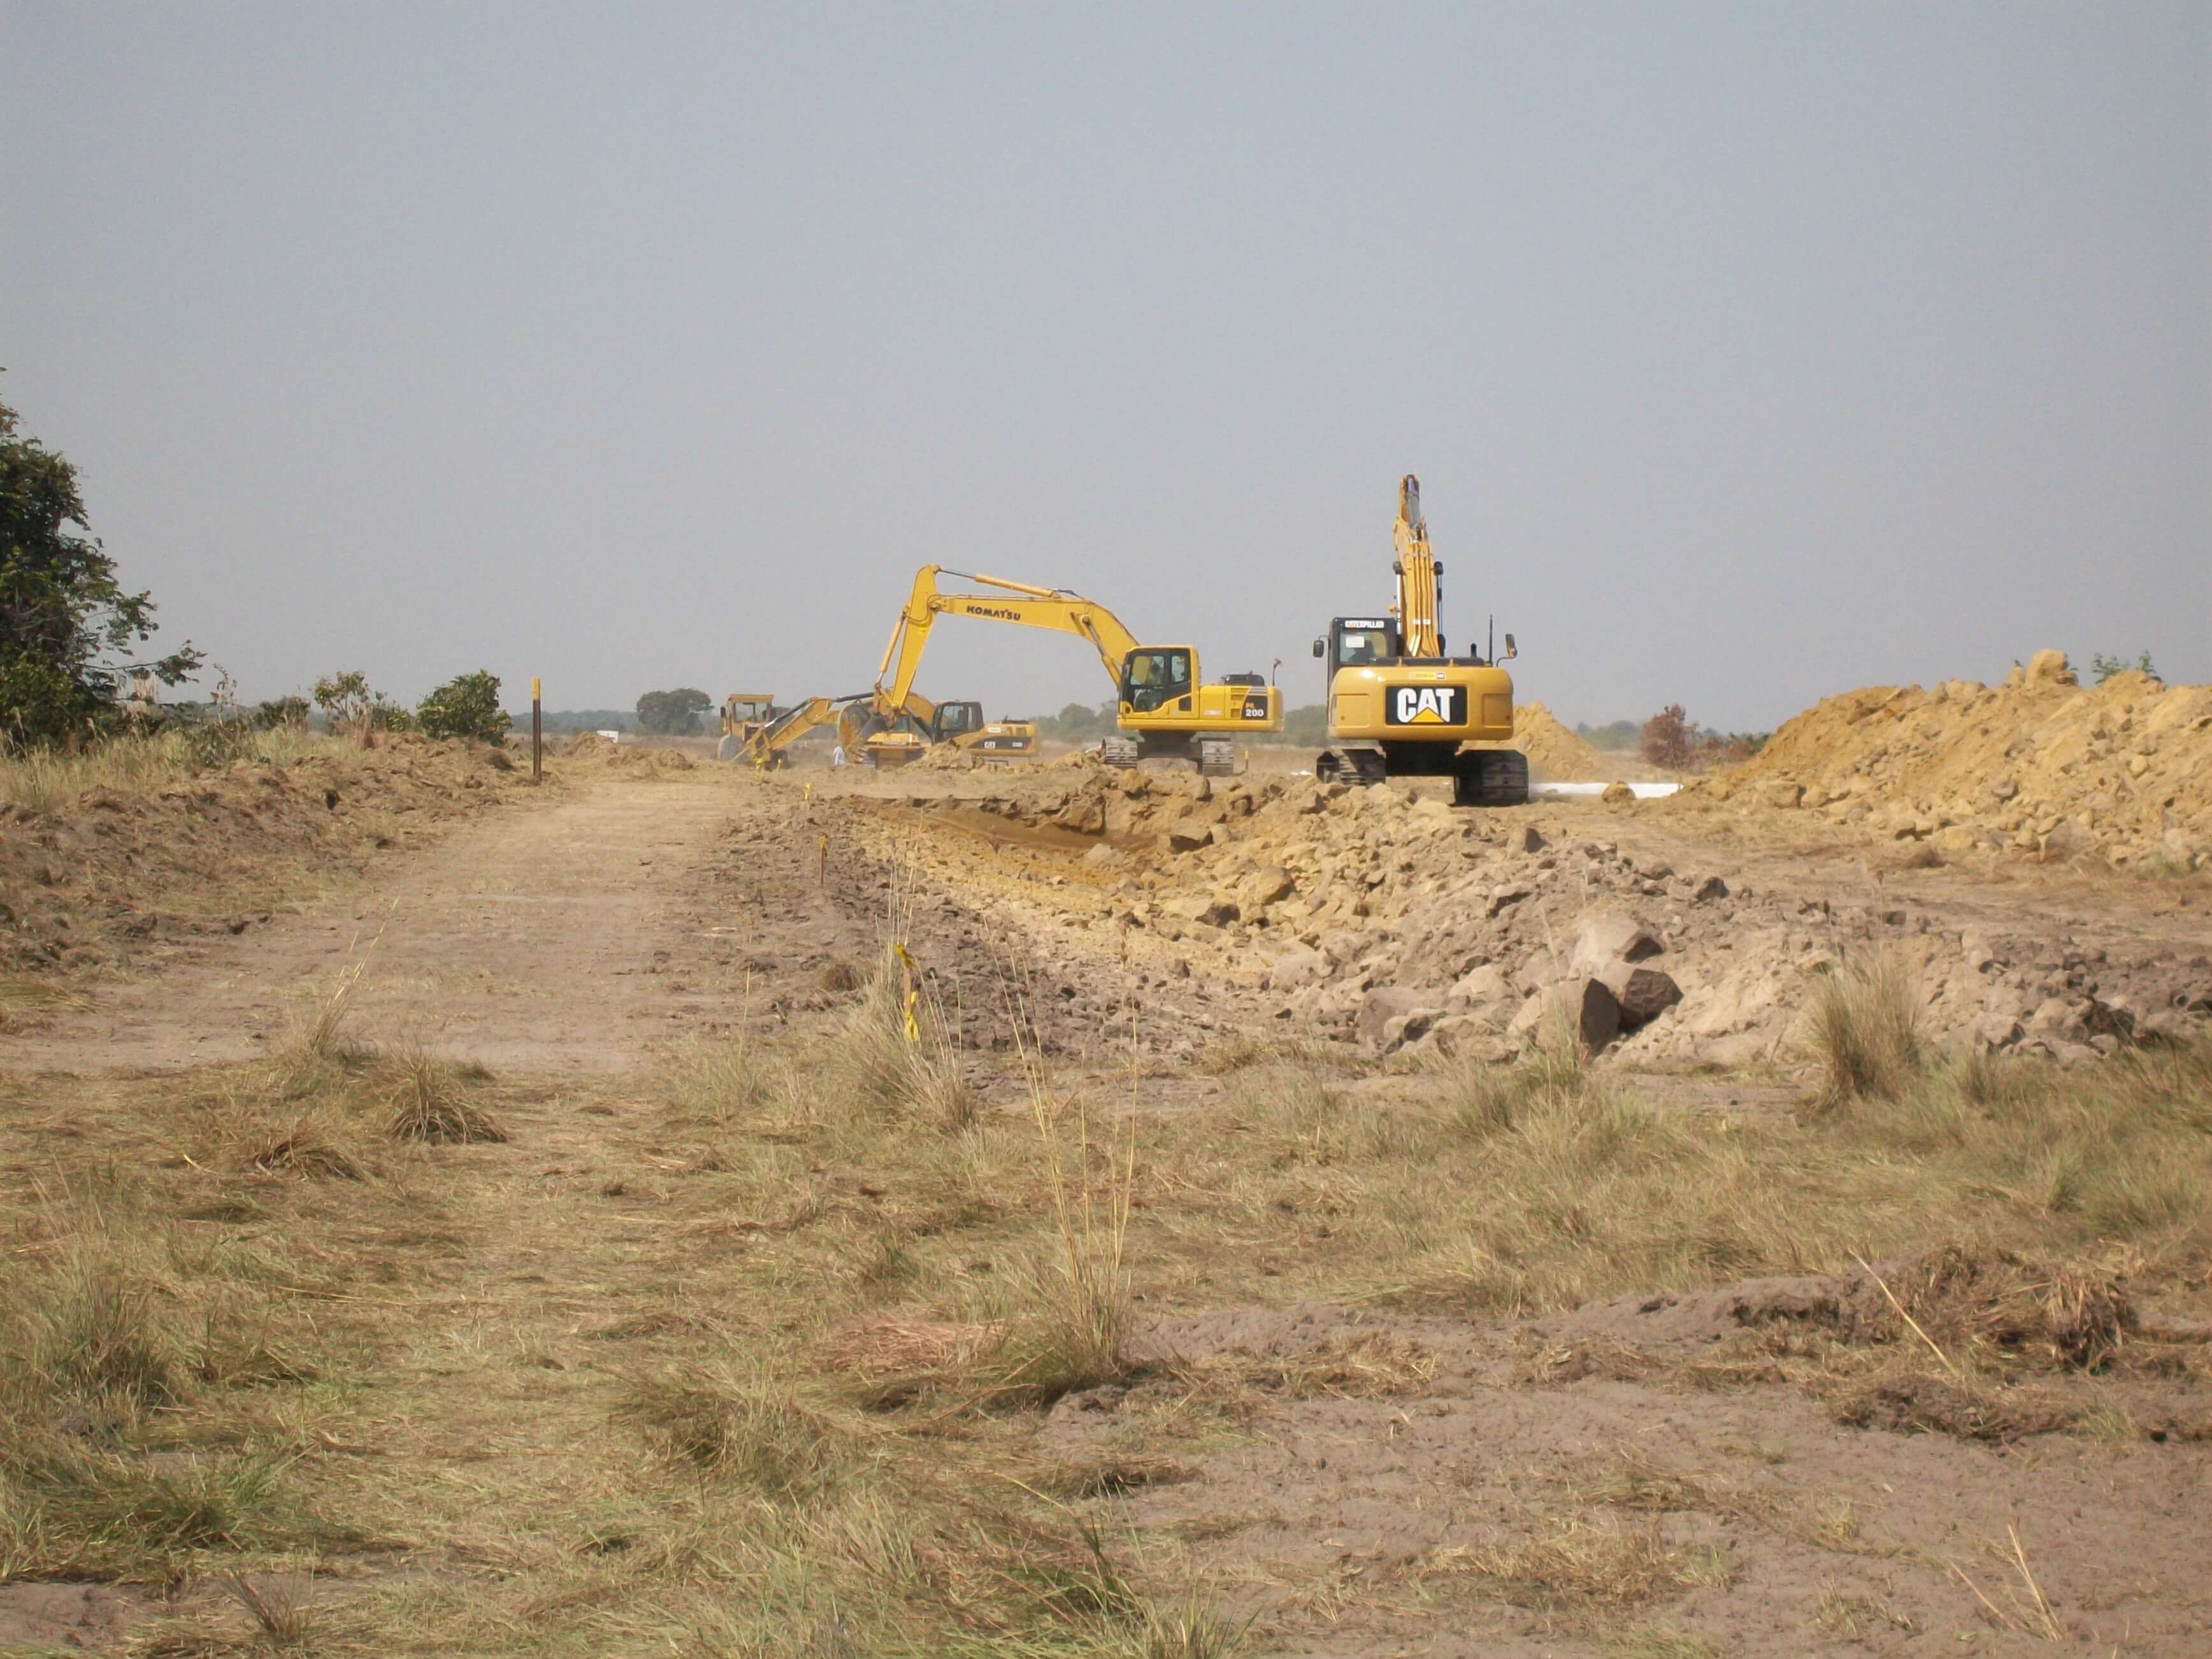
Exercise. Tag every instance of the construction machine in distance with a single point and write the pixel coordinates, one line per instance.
(1164, 710)
(744, 714)
(1400, 706)
(895, 733)
(764, 746)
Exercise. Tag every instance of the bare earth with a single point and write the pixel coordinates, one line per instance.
(533, 940)
(569, 947)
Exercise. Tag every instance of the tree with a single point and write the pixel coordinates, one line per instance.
(1670, 738)
(349, 705)
(1077, 721)
(344, 699)
(64, 619)
(1307, 727)
(673, 713)
(467, 705)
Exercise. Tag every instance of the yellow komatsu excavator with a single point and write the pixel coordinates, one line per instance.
(1163, 708)
(1400, 706)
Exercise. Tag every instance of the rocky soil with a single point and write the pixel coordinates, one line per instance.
(2040, 766)
(1388, 917)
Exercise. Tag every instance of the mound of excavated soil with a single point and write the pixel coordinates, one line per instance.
(1386, 915)
(1554, 753)
(2040, 766)
(125, 872)
(591, 747)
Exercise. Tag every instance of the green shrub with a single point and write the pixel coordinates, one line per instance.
(467, 705)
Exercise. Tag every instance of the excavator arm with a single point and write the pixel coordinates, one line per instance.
(1030, 607)
(1416, 568)
(764, 748)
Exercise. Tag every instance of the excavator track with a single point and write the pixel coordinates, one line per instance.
(1359, 766)
(1216, 757)
(1491, 777)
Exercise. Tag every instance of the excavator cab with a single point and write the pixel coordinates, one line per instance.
(1156, 677)
(1355, 642)
(956, 719)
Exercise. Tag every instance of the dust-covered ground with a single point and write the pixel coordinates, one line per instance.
(1051, 1211)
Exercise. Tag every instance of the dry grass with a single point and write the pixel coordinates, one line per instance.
(823, 1310)
(121, 1452)
(1071, 1330)
(54, 780)
(898, 1051)
(741, 1423)
(431, 1101)
(1865, 1028)
(1570, 1563)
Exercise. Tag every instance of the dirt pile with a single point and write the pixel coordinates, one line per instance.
(1386, 915)
(1554, 753)
(124, 872)
(593, 749)
(2040, 766)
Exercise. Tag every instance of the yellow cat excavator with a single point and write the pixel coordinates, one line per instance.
(894, 733)
(1164, 709)
(1400, 706)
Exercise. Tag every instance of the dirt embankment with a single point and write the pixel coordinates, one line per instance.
(1386, 916)
(152, 859)
(1554, 752)
(2040, 767)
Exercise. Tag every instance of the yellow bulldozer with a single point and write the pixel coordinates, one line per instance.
(1400, 705)
(1163, 708)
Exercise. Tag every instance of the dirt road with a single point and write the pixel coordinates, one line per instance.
(528, 941)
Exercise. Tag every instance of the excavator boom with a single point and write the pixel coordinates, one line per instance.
(1416, 609)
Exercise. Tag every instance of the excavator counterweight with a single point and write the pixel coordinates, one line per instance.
(1399, 705)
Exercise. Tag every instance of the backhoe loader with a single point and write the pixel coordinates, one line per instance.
(1164, 709)
(765, 747)
(743, 715)
(1399, 706)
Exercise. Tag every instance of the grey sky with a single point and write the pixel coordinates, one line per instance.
(1746, 353)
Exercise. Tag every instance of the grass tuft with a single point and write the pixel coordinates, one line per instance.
(742, 1425)
(1865, 1028)
(430, 1102)
(897, 1052)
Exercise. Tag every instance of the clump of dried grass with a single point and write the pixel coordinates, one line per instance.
(430, 1102)
(1371, 1364)
(1969, 1305)
(898, 1050)
(1865, 1028)
(1576, 1563)
(1070, 1330)
(97, 1348)
(741, 1423)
